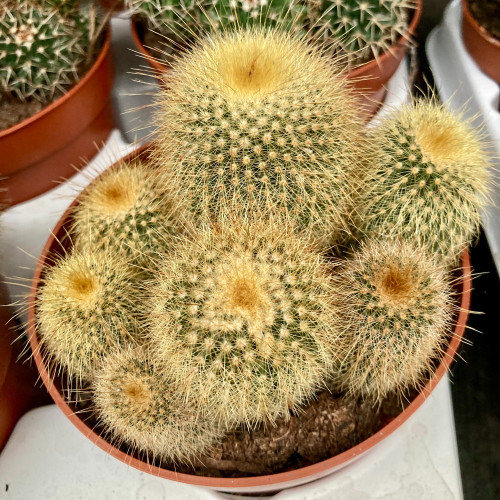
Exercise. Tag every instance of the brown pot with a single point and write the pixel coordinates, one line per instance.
(483, 47)
(58, 243)
(20, 388)
(368, 80)
(46, 147)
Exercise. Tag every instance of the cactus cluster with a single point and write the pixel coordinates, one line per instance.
(258, 118)
(43, 46)
(360, 30)
(430, 182)
(241, 318)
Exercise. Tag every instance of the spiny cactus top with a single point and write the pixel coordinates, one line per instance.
(395, 301)
(260, 118)
(431, 181)
(241, 317)
(359, 29)
(87, 308)
(144, 410)
(128, 210)
(42, 48)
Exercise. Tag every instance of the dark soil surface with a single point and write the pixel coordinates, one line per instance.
(487, 14)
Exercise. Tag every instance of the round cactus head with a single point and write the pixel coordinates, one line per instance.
(258, 118)
(242, 318)
(396, 302)
(128, 210)
(87, 308)
(143, 410)
(430, 182)
(359, 30)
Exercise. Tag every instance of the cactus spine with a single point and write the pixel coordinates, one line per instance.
(143, 410)
(241, 317)
(258, 118)
(431, 180)
(396, 303)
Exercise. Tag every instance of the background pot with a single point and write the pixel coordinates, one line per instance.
(46, 147)
(483, 47)
(368, 80)
(58, 243)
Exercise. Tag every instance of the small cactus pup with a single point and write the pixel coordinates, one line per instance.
(259, 118)
(430, 182)
(396, 302)
(358, 30)
(241, 317)
(87, 308)
(43, 48)
(143, 409)
(128, 210)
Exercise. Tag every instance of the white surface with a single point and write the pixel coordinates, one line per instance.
(47, 458)
(462, 84)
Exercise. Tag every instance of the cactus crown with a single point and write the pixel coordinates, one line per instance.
(259, 118)
(42, 48)
(128, 210)
(430, 182)
(87, 309)
(241, 317)
(359, 29)
(396, 303)
(143, 410)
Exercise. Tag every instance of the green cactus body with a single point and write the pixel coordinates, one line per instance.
(144, 411)
(430, 183)
(241, 318)
(87, 308)
(128, 210)
(360, 30)
(41, 50)
(395, 301)
(258, 118)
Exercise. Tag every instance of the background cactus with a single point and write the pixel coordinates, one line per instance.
(360, 30)
(396, 302)
(87, 308)
(260, 118)
(144, 410)
(43, 48)
(241, 318)
(431, 180)
(127, 210)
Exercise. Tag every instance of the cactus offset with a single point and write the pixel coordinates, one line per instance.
(242, 318)
(359, 30)
(397, 307)
(87, 308)
(259, 118)
(128, 210)
(431, 180)
(145, 411)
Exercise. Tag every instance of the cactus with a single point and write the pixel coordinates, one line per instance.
(42, 48)
(241, 317)
(128, 210)
(260, 119)
(87, 308)
(396, 302)
(431, 180)
(144, 410)
(360, 30)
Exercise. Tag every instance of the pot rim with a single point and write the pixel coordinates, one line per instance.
(68, 95)
(279, 480)
(482, 32)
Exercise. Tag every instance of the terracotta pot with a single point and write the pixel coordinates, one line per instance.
(58, 243)
(46, 147)
(368, 80)
(20, 388)
(483, 47)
